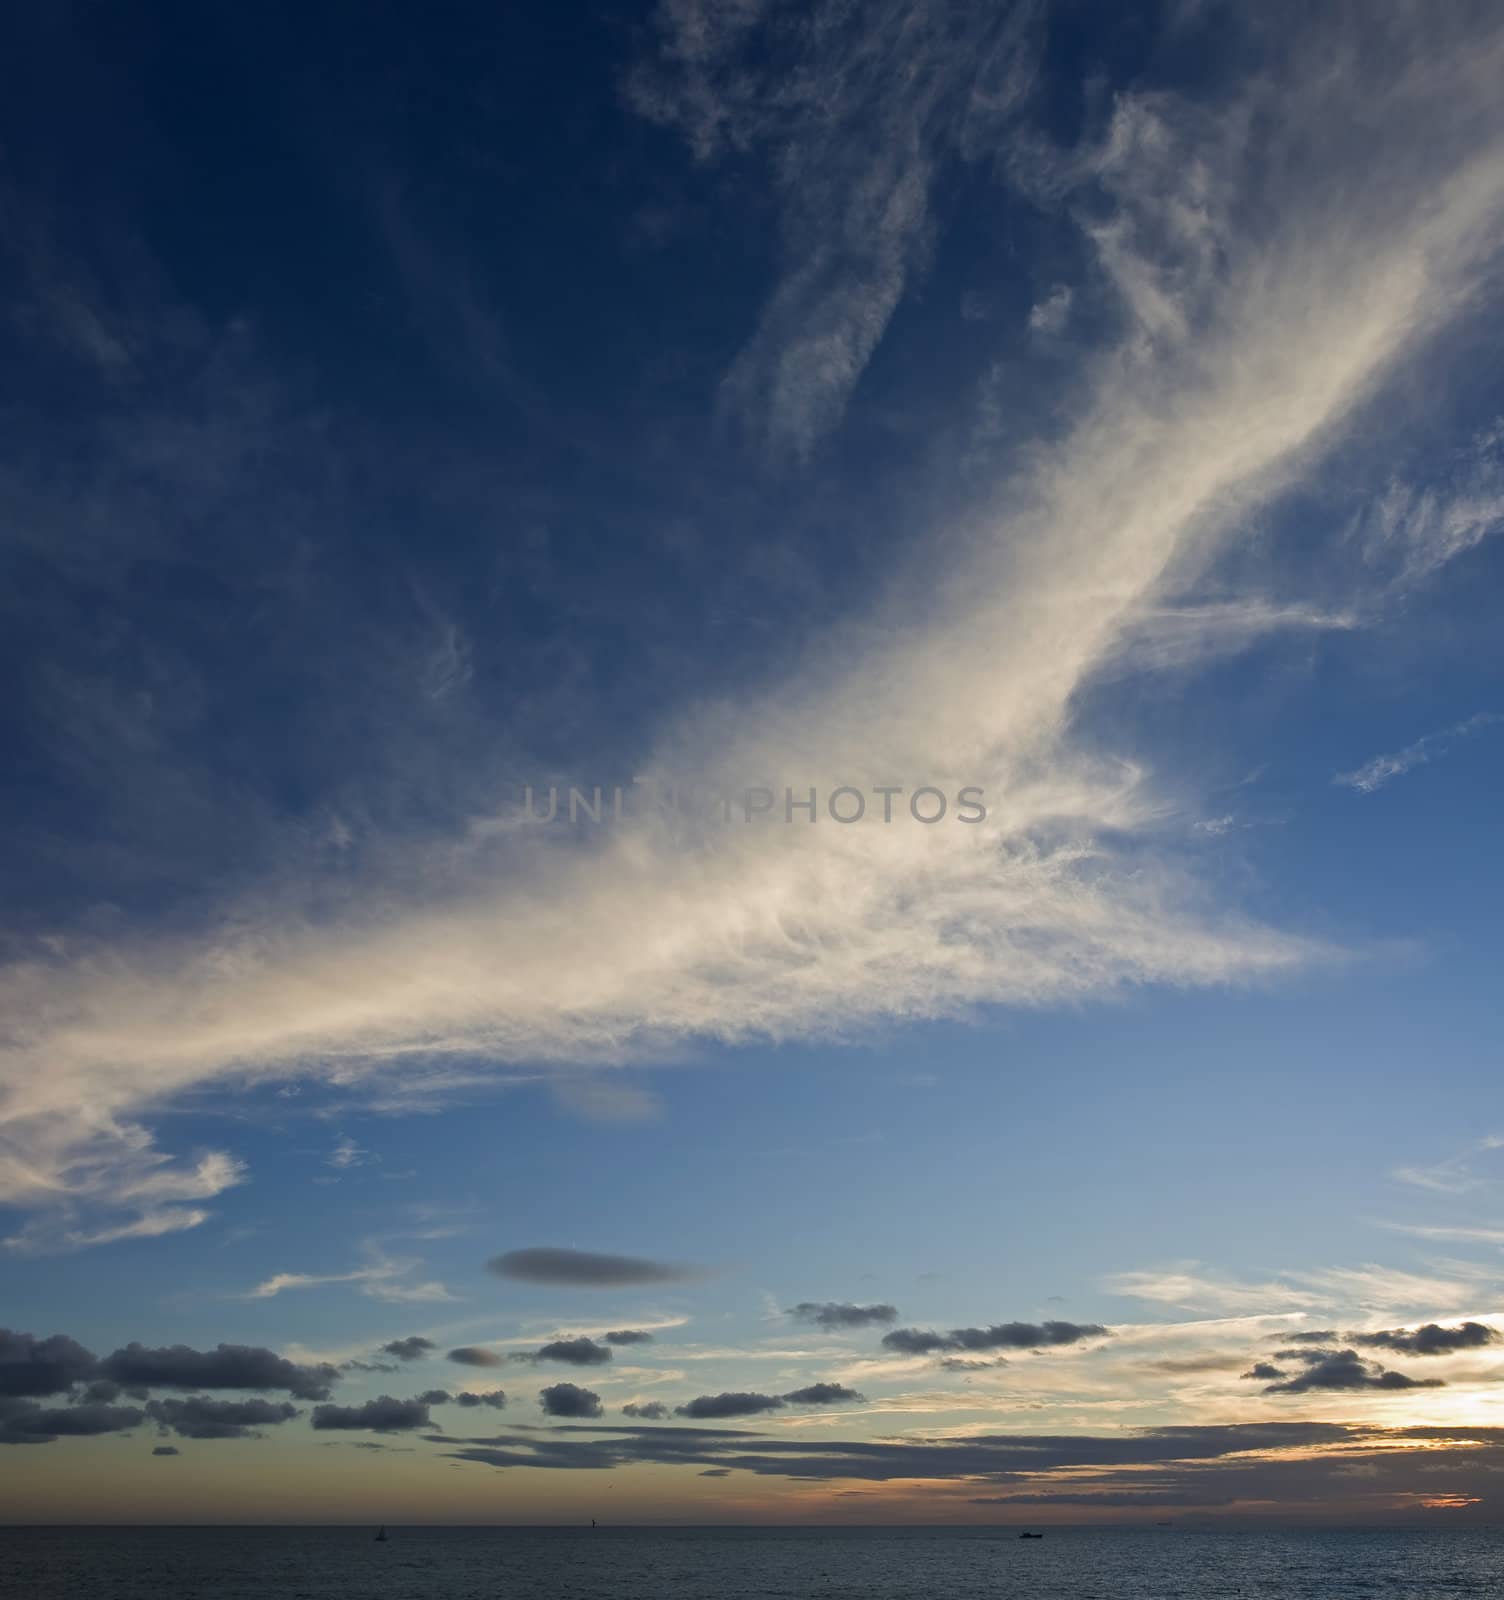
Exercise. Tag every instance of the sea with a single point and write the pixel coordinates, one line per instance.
(1175, 1563)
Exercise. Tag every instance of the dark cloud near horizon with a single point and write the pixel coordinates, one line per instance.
(569, 1400)
(574, 1352)
(1431, 1339)
(409, 1349)
(1164, 1499)
(475, 1355)
(621, 1336)
(648, 1410)
(33, 1366)
(1179, 1366)
(365, 1444)
(586, 1269)
(916, 1341)
(24, 1421)
(381, 1415)
(496, 1399)
(1000, 1336)
(838, 1315)
(228, 1366)
(741, 1403)
(1263, 1468)
(30, 1366)
(990, 1458)
(732, 1404)
(822, 1394)
(1346, 1370)
(199, 1417)
(1265, 1370)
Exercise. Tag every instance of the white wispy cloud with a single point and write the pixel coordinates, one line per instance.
(1383, 769)
(280, 1282)
(1446, 1177)
(1450, 1178)
(347, 1153)
(388, 1280)
(47, 1235)
(1162, 638)
(399, 1293)
(1455, 1175)
(383, 1277)
(1444, 1233)
(855, 111)
(1049, 316)
(1244, 350)
(1416, 528)
(1446, 1287)
(1450, 1286)
(85, 1165)
(1216, 1332)
(1186, 1286)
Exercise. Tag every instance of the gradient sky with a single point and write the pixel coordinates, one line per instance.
(1095, 406)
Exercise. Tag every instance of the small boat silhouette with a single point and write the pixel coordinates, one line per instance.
(1031, 1536)
(380, 1537)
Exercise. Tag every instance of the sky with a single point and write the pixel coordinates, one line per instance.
(751, 763)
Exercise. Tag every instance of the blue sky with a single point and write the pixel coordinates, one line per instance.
(1095, 410)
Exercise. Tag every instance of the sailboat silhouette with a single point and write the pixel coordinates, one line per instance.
(381, 1537)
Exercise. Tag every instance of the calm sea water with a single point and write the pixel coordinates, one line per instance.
(743, 1564)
